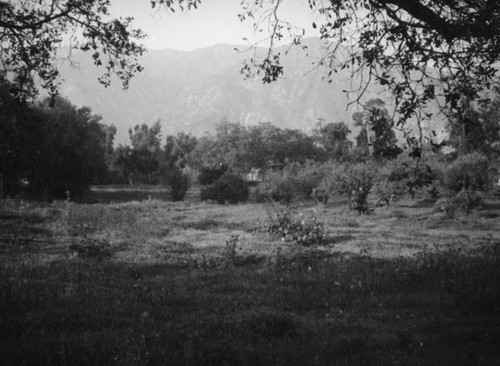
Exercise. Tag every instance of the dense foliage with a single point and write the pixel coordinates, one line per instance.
(263, 146)
(33, 33)
(208, 175)
(50, 151)
(230, 188)
(469, 172)
(178, 182)
(295, 181)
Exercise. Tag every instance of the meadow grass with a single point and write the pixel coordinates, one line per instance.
(159, 283)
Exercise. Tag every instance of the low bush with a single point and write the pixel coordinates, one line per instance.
(465, 181)
(229, 188)
(294, 225)
(275, 188)
(388, 192)
(469, 172)
(295, 181)
(405, 175)
(353, 182)
(464, 201)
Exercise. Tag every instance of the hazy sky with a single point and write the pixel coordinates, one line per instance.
(215, 21)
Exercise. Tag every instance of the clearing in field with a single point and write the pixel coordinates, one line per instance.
(162, 283)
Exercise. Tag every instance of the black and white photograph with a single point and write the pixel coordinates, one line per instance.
(249, 182)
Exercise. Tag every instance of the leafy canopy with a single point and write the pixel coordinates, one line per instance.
(420, 50)
(33, 32)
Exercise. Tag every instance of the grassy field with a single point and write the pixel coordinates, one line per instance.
(159, 283)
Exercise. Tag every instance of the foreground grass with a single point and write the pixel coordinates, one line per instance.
(157, 283)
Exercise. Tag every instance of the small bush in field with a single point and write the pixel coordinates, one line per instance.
(179, 184)
(469, 172)
(230, 250)
(354, 182)
(275, 188)
(295, 181)
(465, 180)
(388, 191)
(293, 225)
(464, 201)
(229, 188)
(405, 176)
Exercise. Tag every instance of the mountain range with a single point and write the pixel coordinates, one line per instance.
(193, 91)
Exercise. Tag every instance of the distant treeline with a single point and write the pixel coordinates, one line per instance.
(51, 149)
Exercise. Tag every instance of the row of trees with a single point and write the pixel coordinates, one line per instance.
(421, 51)
(263, 146)
(53, 149)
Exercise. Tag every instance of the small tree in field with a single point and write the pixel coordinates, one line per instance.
(354, 183)
(178, 182)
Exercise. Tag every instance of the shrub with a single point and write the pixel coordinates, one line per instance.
(179, 184)
(353, 182)
(275, 188)
(406, 175)
(464, 201)
(294, 225)
(229, 188)
(469, 172)
(294, 181)
(388, 191)
(421, 176)
(209, 175)
(465, 180)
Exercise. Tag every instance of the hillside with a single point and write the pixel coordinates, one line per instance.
(193, 91)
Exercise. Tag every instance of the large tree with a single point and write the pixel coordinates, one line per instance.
(48, 152)
(145, 153)
(420, 50)
(32, 34)
(376, 128)
(333, 138)
(177, 150)
(477, 129)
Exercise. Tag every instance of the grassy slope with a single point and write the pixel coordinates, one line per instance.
(164, 286)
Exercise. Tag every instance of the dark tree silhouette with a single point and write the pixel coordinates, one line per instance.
(49, 152)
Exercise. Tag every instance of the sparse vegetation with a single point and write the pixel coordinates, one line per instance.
(143, 283)
(353, 182)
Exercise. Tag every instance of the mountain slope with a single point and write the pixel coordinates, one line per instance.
(193, 91)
